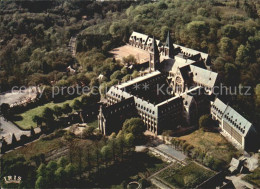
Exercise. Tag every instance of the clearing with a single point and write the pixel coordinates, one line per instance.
(213, 143)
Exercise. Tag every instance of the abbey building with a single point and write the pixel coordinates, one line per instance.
(174, 92)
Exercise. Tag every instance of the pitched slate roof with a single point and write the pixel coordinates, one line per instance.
(220, 107)
(140, 36)
(205, 77)
(192, 51)
(139, 79)
(180, 62)
(237, 121)
(150, 41)
(185, 72)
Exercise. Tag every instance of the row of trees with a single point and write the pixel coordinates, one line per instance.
(90, 158)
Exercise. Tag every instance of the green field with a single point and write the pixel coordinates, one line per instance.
(26, 117)
(212, 143)
(188, 176)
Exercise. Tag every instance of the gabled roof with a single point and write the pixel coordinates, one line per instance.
(220, 107)
(239, 123)
(140, 36)
(185, 72)
(232, 117)
(150, 41)
(203, 76)
(187, 100)
(139, 79)
(180, 62)
(192, 51)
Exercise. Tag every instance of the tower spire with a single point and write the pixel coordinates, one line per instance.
(169, 45)
(154, 56)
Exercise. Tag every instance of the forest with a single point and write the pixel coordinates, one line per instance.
(34, 38)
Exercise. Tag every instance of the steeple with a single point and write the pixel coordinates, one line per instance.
(169, 46)
(154, 56)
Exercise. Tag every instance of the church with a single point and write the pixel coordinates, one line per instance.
(174, 92)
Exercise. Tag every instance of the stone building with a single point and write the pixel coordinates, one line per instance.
(233, 125)
(173, 93)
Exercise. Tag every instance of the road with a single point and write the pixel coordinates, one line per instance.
(9, 128)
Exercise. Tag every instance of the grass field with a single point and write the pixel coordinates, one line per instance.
(26, 117)
(213, 143)
(188, 176)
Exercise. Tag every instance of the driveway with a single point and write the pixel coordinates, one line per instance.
(9, 128)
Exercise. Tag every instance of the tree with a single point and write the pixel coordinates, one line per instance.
(205, 122)
(229, 31)
(41, 171)
(257, 94)
(57, 110)
(47, 114)
(14, 140)
(5, 109)
(32, 131)
(37, 119)
(48, 117)
(116, 75)
(66, 109)
(129, 60)
(106, 151)
(88, 132)
(134, 126)
(62, 162)
(225, 46)
(76, 105)
(237, 4)
(40, 183)
(60, 175)
(231, 74)
(70, 171)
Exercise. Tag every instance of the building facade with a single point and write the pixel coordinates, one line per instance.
(239, 130)
(172, 93)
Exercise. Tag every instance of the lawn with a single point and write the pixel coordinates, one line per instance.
(93, 123)
(188, 176)
(213, 143)
(26, 117)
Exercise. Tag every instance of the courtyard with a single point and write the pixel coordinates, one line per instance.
(141, 56)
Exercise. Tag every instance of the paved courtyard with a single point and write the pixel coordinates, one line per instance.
(141, 56)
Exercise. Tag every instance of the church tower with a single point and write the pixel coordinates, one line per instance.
(168, 49)
(154, 56)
